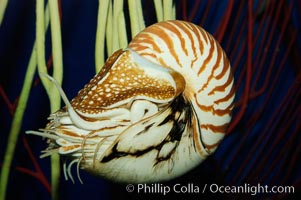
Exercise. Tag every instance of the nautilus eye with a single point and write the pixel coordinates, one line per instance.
(156, 109)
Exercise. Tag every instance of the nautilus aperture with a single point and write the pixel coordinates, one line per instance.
(155, 110)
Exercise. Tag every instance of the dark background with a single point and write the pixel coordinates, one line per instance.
(262, 41)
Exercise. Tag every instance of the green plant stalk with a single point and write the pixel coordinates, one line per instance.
(140, 15)
(16, 124)
(18, 116)
(3, 6)
(134, 18)
(40, 41)
(109, 29)
(117, 9)
(103, 6)
(174, 12)
(55, 100)
(159, 10)
(167, 10)
(55, 175)
(56, 52)
(123, 41)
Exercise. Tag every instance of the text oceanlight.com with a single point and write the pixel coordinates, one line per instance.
(190, 188)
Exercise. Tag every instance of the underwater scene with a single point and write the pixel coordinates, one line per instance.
(150, 99)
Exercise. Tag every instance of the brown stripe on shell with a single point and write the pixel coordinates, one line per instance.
(210, 108)
(214, 67)
(206, 61)
(145, 40)
(222, 88)
(172, 28)
(212, 146)
(162, 33)
(215, 128)
(189, 30)
(227, 97)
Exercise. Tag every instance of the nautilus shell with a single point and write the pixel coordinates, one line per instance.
(156, 109)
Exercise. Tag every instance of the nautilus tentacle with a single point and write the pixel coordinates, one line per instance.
(155, 110)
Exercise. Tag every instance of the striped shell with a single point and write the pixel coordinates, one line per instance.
(195, 54)
(155, 110)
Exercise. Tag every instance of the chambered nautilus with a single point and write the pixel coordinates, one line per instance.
(155, 110)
